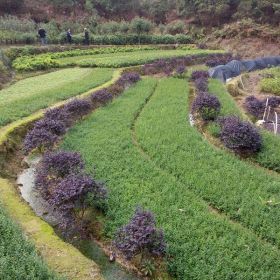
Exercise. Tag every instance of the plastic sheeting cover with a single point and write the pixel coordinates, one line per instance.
(236, 67)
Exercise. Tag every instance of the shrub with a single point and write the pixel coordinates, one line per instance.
(39, 139)
(59, 114)
(116, 89)
(256, 106)
(199, 74)
(129, 78)
(54, 126)
(220, 60)
(101, 97)
(240, 136)
(60, 164)
(140, 236)
(201, 84)
(77, 108)
(207, 106)
(180, 70)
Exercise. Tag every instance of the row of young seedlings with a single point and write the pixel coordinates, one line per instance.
(241, 137)
(63, 182)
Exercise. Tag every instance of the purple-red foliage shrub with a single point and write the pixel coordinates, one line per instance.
(39, 138)
(240, 136)
(207, 106)
(54, 126)
(101, 97)
(77, 108)
(73, 191)
(180, 70)
(201, 84)
(199, 74)
(140, 236)
(256, 106)
(220, 59)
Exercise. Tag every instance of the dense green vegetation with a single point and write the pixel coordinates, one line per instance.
(110, 58)
(32, 94)
(271, 83)
(18, 257)
(128, 59)
(207, 12)
(175, 173)
(269, 155)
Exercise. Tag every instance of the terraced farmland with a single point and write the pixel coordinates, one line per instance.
(128, 145)
(157, 160)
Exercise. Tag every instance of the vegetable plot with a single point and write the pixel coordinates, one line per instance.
(31, 94)
(174, 179)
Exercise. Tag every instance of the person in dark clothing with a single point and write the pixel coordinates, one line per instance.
(69, 36)
(86, 36)
(43, 36)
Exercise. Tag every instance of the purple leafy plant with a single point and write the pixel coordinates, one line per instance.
(58, 114)
(39, 139)
(207, 106)
(77, 108)
(240, 136)
(101, 97)
(201, 84)
(140, 236)
(256, 107)
(180, 70)
(54, 126)
(196, 75)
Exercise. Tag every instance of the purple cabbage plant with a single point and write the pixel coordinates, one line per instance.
(240, 136)
(140, 236)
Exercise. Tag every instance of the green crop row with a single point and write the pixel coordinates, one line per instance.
(269, 156)
(110, 59)
(18, 257)
(180, 169)
(271, 84)
(29, 95)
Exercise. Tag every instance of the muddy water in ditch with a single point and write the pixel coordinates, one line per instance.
(109, 270)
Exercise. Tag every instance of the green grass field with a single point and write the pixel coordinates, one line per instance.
(126, 59)
(157, 160)
(18, 257)
(31, 94)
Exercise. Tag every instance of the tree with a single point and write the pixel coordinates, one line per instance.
(141, 26)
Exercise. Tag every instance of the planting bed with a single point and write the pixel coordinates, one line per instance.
(153, 158)
(219, 213)
(31, 94)
(127, 59)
